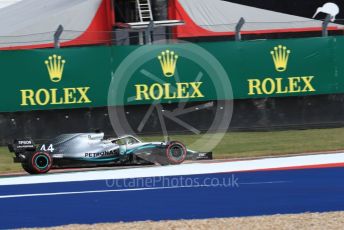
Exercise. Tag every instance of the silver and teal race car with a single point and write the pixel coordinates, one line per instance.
(92, 150)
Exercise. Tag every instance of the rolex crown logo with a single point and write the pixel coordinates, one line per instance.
(168, 60)
(280, 56)
(55, 66)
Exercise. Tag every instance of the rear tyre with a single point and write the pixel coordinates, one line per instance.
(27, 168)
(175, 153)
(38, 163)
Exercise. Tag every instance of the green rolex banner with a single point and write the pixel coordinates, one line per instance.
(166, 73)
(50, 79)
(278, 68)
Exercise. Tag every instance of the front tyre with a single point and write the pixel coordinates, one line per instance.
(38, 163)
(176, 153)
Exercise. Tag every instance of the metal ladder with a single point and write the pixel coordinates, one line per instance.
(145, 10)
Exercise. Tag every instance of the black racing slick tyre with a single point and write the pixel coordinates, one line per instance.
(175, 153)
(38, 163)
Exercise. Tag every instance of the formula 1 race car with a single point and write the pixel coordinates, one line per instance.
(91, 149)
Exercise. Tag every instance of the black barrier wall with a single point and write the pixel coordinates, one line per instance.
(248, 115)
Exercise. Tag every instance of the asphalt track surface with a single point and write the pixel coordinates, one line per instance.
(297, 189)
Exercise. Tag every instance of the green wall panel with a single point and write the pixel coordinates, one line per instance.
(202, 71)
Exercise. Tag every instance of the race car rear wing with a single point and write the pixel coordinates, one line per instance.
(20, 146)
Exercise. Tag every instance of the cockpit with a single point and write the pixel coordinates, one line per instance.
(126, 140)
